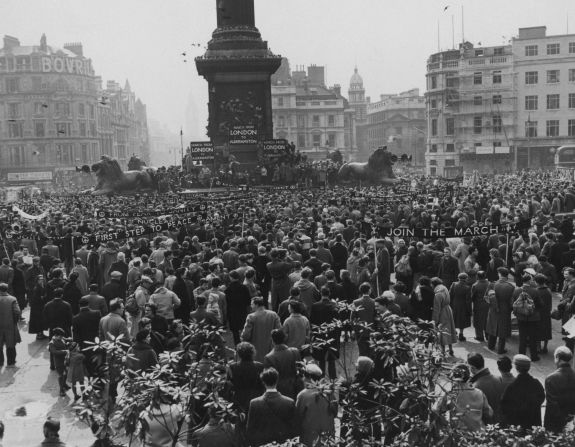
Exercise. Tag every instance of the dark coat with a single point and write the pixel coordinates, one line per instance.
(521, 402)
(58, 313)
(560, 391)
(493, 389)
(182, 312)
(422, 309)
(499, 321)
(72, 295)
(141, 356)
(85, 326)
(546, 298)
(113, 290)
(36, 300)
(271, 417)
(460, 300)
(448, 270)
(284, 360)
(245, 383)
(238, 303)
(325, 311)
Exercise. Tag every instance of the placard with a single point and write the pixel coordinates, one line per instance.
(274, 148)
(243, 135)
(201, 151)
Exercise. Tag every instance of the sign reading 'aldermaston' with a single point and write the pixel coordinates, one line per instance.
(243, 135)
(201, 151)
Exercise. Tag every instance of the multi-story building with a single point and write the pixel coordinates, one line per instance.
(398, 122)
(545, 80)
(470, 103)
(497, 109)
(52, 111)
(316, 118)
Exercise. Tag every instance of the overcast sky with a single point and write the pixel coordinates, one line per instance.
(389, 40)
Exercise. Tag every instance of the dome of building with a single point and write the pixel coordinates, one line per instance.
(356, 79)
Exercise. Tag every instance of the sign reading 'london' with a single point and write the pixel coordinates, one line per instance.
(67, 65)
(201, 150)
(243, 135)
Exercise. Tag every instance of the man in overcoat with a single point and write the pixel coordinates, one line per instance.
(259, 326)
(560, 391)
(504, 298)
(9, 333)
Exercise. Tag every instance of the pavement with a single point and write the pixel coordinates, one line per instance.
(29, 392)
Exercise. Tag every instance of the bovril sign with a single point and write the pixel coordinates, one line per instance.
(69, 65)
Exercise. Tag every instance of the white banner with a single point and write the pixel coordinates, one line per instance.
(29, 216)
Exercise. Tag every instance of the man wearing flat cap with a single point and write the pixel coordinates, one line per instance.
(522, 399)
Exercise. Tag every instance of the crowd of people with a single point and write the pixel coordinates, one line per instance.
(269, 267)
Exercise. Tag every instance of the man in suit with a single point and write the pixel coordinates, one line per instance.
(237, 304)
(96, 301)
(364, 314)
(279, 270)
(113, 325)
(9, 332)
(560, 392)
(504, 296)
(85, 328)
(284, 359)
(335, 289)
(114, 288)
(121, 266)
(259, 326)
(271, 417)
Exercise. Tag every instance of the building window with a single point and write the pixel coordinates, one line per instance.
(450, 147)
(300, 121)
(316, 140)
(13, 110)
(531, 102)
(40, 108)
(531, 50)
(477, 100)
(432, 162)
(571, 47)
(552, 102)
(552, 128)
(280, 101)
(93, 128)
(315, 120)
(477, 78)
(433, 148)
(331, 139)
(281, 121)
(571, 128)
(12, 85)
(15, 130)
(82, 109)
(16, 155)
(497, 77)
(477, 124)
(572, 75)
(433, 104)
(531, 77)
(433, 170)
(531, 129)
(498, 51)
(479, 52)
(552, 76)
(450, 80)
(449, 126)
(65, 154)
(434, 127)
(82, 128)
(63, 109)
(84, 155)
(497, 144)
(497, 124)
(39, 128)
(572, 100)
(63, 129)
(496, 99)
(449, 162)
(433, 82)
(301, 140)
(553, 48)
(331, 120)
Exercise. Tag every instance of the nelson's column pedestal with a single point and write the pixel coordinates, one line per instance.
(238, 66)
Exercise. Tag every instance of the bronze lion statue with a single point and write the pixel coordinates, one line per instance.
(376, 171)
(112, 180)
